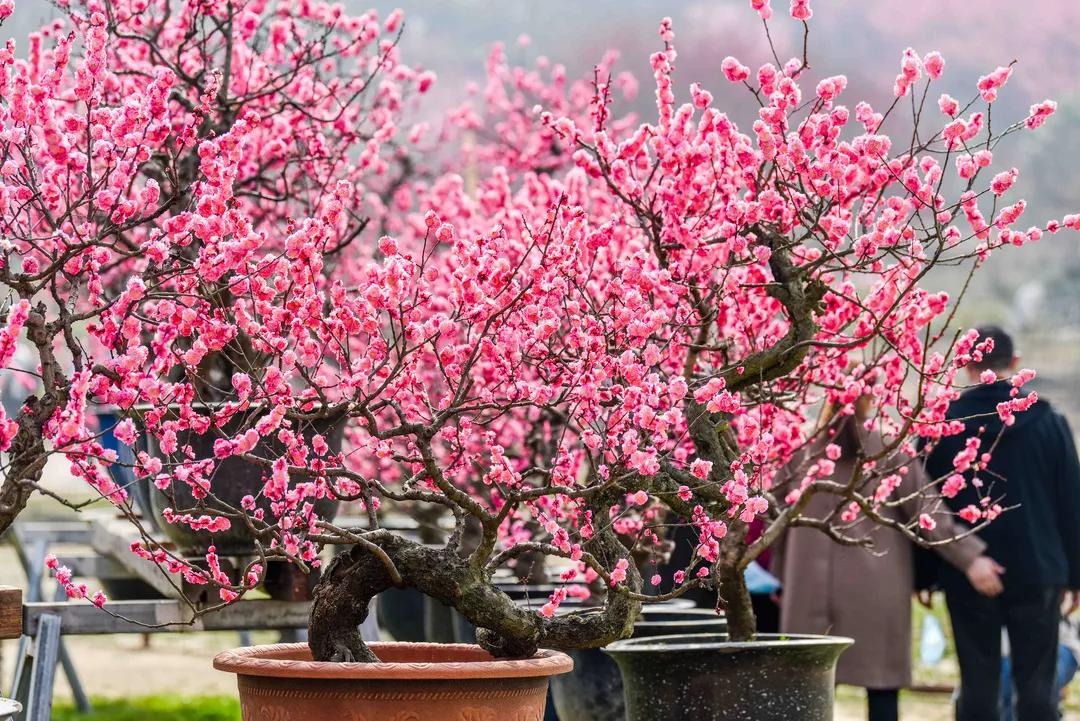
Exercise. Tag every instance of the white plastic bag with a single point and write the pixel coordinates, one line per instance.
(932, 641)
(758, 580)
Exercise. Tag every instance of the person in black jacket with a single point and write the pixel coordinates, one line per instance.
(1034, 475)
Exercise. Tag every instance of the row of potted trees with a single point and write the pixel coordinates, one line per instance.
(562, 330)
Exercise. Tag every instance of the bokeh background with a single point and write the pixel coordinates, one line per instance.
(1034, 291)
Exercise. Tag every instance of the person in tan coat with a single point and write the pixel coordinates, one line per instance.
(865, 592)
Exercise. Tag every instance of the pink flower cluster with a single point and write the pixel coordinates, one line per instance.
(542, 304)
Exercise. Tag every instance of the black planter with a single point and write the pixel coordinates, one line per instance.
(593, 691)
(401, 613)
(438, 621)
(234, 478)
(537, 595)
(703, 677)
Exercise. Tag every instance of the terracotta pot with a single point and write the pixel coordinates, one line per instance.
(414, 682)
(704, 677)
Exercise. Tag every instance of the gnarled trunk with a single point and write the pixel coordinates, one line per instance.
(505, 629)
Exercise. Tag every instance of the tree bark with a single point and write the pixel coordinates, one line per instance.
(27, 457)
(505, 629)
(741, 623)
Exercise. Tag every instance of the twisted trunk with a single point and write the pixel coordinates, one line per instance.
(355, 576)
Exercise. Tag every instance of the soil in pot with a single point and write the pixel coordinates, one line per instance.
(234, 478)
(594, 690)
(704, 677)
(413, 682)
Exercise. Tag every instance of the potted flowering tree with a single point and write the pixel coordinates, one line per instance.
(217, 221)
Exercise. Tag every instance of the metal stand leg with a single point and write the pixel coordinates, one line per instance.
(81, 701)
(35, 674)
(34, 564)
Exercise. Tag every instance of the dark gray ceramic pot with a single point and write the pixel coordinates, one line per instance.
(234, 478)
(593, 691)
(401, 613)
(704, 677)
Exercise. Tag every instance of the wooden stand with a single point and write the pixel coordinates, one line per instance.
(40, 625)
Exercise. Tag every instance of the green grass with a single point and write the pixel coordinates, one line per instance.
(158, 708)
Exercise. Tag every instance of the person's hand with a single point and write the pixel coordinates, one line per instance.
(926, 598)
(984, 573)
(1070, 602)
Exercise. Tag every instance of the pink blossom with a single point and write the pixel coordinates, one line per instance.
(733, 70)
(388, 246)
(1039, 113)
(934, 64)
(910, 71)
(800, 10)
(829, 88)
(970, 513)
(1003, 181)
(618, 573)
(948, 105)
(989, 84)
(953, 485)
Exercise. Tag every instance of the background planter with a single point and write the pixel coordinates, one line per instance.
(415, 681)
(401, 613)
(706, 678)
(594, 690)
(235, 478)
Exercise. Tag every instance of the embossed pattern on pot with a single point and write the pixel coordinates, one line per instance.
(414, 682)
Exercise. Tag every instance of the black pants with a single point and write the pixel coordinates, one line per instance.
(883, 704)
(1031, 616)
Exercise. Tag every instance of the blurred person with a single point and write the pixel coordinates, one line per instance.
(866, 593)
(1034, 474)
(1068, 661)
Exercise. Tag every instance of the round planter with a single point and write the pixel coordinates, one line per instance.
(234, 478)
(465, 631)
(594, 690)
(535, 593)
(401, 613)
(9, 708)
(438, 621)
(704, 677)
(413, 682)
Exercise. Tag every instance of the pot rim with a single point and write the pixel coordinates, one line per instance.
(280, 661)
(714, 623)
(676, 643)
